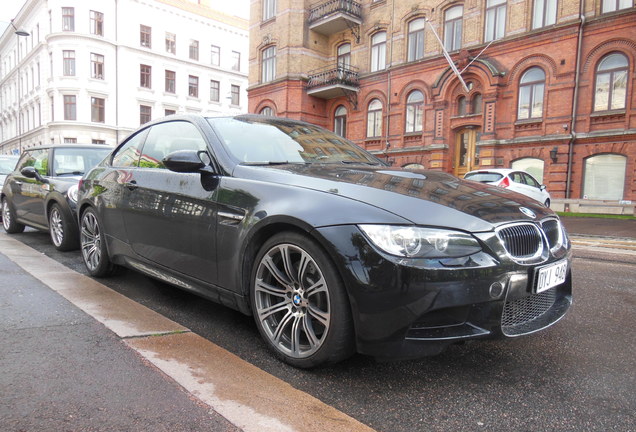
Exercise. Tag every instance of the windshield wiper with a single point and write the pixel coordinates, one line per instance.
(273, 163)
(349, 162)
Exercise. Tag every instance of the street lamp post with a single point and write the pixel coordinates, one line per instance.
(19, 33)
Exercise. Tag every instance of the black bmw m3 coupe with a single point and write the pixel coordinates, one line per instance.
(331, 250)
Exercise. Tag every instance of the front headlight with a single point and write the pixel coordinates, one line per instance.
(72, 193)
(418, 242)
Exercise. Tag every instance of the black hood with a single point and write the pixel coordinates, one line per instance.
(423, 197)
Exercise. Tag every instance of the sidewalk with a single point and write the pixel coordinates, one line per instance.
(63, 371)
(78, 356)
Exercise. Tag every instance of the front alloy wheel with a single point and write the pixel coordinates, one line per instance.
(93, 246)
(299, 303)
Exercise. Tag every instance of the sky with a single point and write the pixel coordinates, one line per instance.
(8, 11)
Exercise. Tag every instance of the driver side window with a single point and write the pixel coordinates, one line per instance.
(169, 137)
(38, 159)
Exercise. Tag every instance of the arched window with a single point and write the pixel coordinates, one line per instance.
(453, 28)
(269, 64)
(611, 83)
(414, 111)
(531, 88)
(340, 121)
(267, 111)
(374, 119)
(533, 166)
(461, 105)
(475, 104)
(378, 51)
(604, 177)
(416, 40)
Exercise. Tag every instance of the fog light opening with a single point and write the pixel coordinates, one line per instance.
(496, 290)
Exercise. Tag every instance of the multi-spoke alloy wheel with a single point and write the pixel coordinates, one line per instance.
(63, 232)
(92, 244)
(299, 303)
(8, 221)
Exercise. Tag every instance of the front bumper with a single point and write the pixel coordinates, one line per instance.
(406, 308)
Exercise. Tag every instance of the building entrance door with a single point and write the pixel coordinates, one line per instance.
(466, 152)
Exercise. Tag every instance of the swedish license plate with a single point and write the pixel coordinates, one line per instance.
(551, 276)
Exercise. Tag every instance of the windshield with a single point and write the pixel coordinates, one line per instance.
(77, 161)
(7, 164)
(269, 141)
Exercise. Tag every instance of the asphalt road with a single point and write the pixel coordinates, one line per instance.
(577, 375)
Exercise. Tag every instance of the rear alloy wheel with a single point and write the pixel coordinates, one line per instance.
(8, 219)
(93, 245)
(63, 235)
(299, 303)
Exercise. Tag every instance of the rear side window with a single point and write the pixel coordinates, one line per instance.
(484, 177)
(38, 159)
(128, 154)
(169, 137)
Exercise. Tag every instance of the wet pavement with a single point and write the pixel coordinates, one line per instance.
(77, 356)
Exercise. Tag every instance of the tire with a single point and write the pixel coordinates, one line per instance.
(63, 233)
(299, 302)
(9, 223)
(93, 245)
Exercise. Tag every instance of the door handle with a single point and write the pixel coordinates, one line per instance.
(131, 185)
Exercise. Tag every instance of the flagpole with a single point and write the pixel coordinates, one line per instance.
(448, 58)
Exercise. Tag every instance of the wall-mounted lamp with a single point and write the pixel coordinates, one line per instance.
(553, 154)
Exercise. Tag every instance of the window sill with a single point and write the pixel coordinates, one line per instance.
(607, 116)
(529, 124)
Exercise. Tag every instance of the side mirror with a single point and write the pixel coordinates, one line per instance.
(185, 161)
(543, 187)
(31, 172)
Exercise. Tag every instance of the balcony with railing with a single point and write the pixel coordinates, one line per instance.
(332, 82)
(334, 16)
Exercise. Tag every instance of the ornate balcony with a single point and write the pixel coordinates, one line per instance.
(334, 16)
(333, 82)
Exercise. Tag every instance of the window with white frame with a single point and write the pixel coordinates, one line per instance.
(269, 64)
(544, 13)
(453, 20)
(193, 50)
(97, 66)
(171, 43)
(344, 55)
(215, 55)
(604, 177)
(215, 90)
(145, 76)
(414, 112)
(236, 60)
(170, 85)
(495, 19)
(68, 19)
(97, 23)
(145, 36)
(416, 39)
(610, 92)
(235, 93)
(193, 86)
(374, 119)
(269, 9)
(97, 110)
(614, 5)
(68, 63)
(378, 51)
(531, 89)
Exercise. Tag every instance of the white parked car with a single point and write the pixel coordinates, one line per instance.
(515, 180)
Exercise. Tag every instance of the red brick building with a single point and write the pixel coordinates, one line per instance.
(549, 83)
